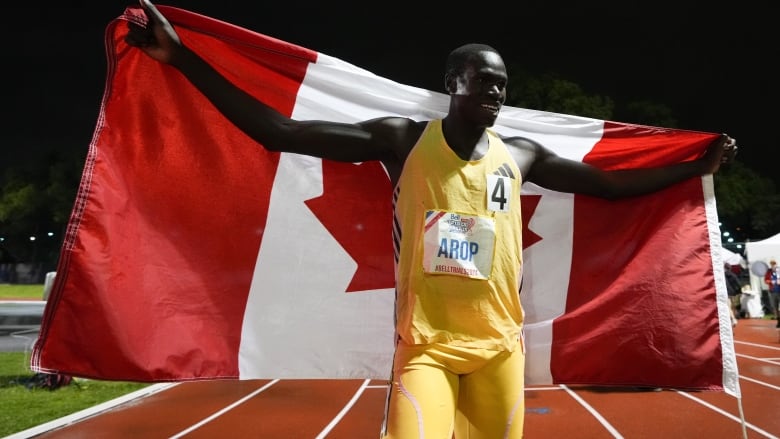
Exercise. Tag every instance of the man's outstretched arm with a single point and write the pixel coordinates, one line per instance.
(275, 131)
(557, 173)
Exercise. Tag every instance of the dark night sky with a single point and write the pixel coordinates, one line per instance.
(709, 64)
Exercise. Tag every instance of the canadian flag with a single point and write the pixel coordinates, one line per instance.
(194, 253)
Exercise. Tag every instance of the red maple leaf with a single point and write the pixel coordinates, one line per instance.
(528, 205)
(356, 208)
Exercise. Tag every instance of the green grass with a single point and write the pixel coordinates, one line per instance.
(17, 291)
(22, 408)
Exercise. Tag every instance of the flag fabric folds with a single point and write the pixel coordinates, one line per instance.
(193, 253)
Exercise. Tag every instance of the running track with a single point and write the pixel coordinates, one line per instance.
(352, 409)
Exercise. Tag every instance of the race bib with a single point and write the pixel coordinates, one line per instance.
(458, 244)
(499, 192)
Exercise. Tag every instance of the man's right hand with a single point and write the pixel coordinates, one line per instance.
(157, 39)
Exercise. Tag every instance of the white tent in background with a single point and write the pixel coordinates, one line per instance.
(763, 250)
(732, 258)
(758, 255)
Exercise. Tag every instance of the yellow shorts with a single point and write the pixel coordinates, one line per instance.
(439, 389)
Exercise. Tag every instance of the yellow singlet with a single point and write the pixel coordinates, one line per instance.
(458, 244)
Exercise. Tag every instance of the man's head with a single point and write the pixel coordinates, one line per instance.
(772, 262)
(476, 78)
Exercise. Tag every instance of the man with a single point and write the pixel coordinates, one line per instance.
(772, 281)
(734, 291)
(459, 356)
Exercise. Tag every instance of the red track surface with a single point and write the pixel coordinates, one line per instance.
(352, 409)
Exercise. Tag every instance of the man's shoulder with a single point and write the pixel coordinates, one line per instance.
(389, 123)
(520, 142)
(399, 133)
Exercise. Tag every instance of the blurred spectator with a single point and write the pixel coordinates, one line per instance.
(772, 280)
(734, 289)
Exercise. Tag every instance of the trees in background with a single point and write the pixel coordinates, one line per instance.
(748, 203)
(35, 205)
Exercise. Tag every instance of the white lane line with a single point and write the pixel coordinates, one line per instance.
(757, 345)
(224, 410)
(542, 388)
(728, 415)
(344, 411)
(91, 411)
(761, 383)
(593, 412)
(763, 360)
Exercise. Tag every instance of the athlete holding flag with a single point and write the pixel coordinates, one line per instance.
(459, 358)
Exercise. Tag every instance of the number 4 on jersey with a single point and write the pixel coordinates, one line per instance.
(499, 192)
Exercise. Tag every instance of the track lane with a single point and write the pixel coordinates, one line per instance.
(350, 409)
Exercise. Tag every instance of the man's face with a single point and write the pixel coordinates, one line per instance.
(480, 91)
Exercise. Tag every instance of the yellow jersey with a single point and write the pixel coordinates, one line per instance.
(457, 236)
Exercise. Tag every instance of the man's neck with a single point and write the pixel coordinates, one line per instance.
(467, 141)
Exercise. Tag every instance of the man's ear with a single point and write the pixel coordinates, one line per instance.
(449, 83)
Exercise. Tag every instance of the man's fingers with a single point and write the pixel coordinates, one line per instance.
(730, 145)
(730, 149)
(152, 11)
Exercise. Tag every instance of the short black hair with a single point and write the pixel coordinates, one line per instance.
(463, 55)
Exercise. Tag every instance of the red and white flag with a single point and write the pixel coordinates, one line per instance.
(194, 253)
